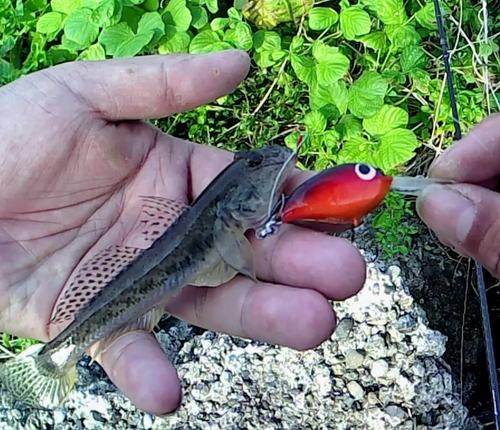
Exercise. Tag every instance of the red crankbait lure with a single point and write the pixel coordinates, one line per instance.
(340, 195)
(343, 194)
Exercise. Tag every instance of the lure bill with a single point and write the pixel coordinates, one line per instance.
(340, 196)
(120, 289)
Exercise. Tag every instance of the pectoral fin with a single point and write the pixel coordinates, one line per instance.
(233, 246)
(215, 275)
(146, 322)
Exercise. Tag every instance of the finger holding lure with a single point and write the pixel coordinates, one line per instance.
(340, 196)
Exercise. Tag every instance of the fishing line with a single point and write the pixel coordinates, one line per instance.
(295, 154)
(490, 354)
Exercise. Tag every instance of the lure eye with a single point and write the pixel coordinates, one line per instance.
(255, 159)
(365, 172)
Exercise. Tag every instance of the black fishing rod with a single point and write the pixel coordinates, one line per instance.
(490, 353)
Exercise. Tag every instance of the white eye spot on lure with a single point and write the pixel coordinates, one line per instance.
(365, 171)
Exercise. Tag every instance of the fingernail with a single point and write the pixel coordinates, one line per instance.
(447, 212)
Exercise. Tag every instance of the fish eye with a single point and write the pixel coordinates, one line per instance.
(365, 172)
(255, 159)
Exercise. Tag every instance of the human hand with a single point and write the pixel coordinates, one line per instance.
(466, 216)
(76, 156)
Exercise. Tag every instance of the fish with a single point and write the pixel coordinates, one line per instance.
(120, 288)
(340, 197)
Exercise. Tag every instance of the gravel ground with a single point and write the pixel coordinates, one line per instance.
(381, 369)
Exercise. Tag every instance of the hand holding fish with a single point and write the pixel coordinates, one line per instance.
(76, 159)
(466, 215)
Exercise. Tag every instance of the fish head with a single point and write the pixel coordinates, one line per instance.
(266, 169)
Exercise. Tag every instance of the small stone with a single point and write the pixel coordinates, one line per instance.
(355, 390)
(379, 369)
(147, 421)
(372, 398)
(344, 328)
(59, 416)
(396, 414)
(406, 324)
(354, 359)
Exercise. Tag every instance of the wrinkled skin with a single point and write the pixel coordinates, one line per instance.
(74, 157)
(466, 216)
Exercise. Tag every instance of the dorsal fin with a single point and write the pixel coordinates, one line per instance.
(158, 213)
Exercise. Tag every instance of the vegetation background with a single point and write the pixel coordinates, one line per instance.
(366, 80)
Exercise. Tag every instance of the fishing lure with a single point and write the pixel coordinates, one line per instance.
(341, 195)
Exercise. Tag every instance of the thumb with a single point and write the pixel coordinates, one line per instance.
(154, 86)
(467, 218)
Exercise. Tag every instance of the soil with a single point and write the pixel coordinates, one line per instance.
(444, 284)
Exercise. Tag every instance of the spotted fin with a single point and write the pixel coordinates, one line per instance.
(233, 246)
(158, 214)
(146, 322)
(33, 379)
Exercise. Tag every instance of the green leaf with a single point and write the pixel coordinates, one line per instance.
(234, 15)
(421, 79)
(297, 44)
(335, 94)
(426, 17)
(79, 29)
(315, 122)
(387, 118)
(266, 59)
(266, 41)
(207, 41)
(355, 150)
(177, 15)
(376, 41)
(240, 36)
(402, 36)
(151, 23)
(332, 70)
(322, 18)
(219, 24)
(65, 6)
(354, 21)
(175, 43)
(366, 95)
(49, 23)
(93, 52)
(390, 12)
(200, 16)
(331, 138)
(349, 127)
(103, 11)
(412, 57)
(112, 37)
(396, 148)
(132, 46)
(212, 6)
(151, 5)
(304, 68)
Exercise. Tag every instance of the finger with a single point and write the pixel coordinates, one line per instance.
(474, 158)
(303, 258)
(140, 369)
(276, 314)
(465, 217)
(154, 86)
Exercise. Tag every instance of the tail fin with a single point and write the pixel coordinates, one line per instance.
(35, 381)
